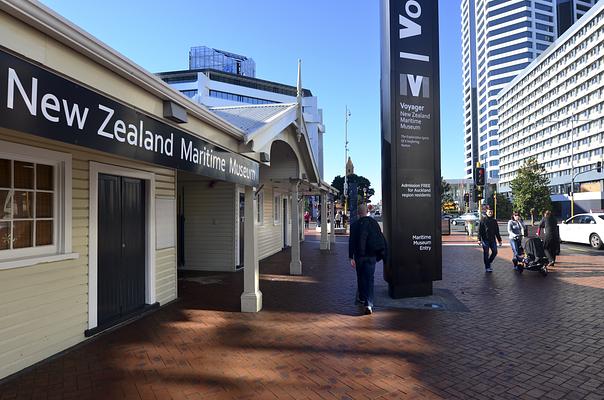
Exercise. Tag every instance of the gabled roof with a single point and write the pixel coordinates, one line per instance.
(264, 122)
(251, 118)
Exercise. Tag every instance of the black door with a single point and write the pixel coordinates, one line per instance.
(121, 247)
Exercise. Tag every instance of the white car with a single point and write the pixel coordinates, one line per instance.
(465, 218)
(583, 228)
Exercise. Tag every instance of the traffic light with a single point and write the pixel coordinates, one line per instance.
(466, 198)
(480, 176)
(599, 166)
(478, 193)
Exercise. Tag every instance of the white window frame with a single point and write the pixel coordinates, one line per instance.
(260, 208)
(277, 209)
(62, 207)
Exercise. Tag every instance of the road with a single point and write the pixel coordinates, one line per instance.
(565, 248)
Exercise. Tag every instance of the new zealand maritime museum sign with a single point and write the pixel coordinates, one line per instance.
(38, 102)
(411, 145)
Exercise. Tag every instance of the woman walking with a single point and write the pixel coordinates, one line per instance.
(548, 228)
(515, 232)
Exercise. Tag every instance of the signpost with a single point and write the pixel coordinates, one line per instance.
(411, 145)
(39, 102)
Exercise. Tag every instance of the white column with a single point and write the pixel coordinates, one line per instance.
(251, 298)
(324, 239)
(295, 266)
(301, 214)
(332, 237)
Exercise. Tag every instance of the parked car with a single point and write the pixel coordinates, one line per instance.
(465, 218)
(584, 228)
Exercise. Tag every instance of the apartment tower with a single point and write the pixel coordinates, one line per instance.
(499, 39)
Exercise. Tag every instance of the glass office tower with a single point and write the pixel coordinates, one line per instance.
(202, 57)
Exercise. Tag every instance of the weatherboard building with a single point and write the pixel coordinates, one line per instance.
(111, 180)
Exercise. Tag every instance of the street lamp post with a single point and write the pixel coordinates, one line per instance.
(346, 161)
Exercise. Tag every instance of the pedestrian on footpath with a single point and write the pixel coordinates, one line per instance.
(488, 236)
(338, 219)
(515, 232)
(365, 246)
(306, 219)
(551, 237)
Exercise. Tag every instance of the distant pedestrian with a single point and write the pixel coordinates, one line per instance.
(515, 232)
(306, 219)
(338, 219)
(548, 229)
(488, 236)
(365, 246)
(319, 219)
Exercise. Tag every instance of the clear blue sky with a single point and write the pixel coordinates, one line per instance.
(337, 41)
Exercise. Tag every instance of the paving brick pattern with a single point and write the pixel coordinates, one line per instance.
(525, 337)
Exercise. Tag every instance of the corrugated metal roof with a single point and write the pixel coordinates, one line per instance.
(250, 118)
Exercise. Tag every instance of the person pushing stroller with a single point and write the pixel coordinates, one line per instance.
(516, 231)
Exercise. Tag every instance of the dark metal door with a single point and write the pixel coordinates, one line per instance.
(133, 244)
(121, 247)
(241, 227)
(284, 223)
(109, 248)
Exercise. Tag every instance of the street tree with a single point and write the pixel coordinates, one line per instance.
(361, 182)
(530, 189)
(504, 206)
(446, 197)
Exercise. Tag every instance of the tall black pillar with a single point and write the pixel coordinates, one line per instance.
(411, 145)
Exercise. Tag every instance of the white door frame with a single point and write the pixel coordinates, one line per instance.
(239, 190)
(149, 178)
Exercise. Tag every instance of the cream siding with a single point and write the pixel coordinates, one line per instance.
(209, 231)
(165, 271)
(44, 308)
(270, 235)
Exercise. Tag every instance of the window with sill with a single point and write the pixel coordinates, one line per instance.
(36, 213)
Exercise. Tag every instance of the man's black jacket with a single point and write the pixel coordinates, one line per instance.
(359, 232)
(489, 230)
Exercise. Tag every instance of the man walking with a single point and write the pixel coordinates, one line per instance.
(488, 232)
(365, 244)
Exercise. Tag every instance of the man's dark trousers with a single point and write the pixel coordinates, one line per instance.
(365, 267)
(486, 246)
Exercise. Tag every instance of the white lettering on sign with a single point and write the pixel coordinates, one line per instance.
(49, 102)
(35, 99)
(422, 242)
(415, 83)
(135, 136)
(410, 28)
(202, 156)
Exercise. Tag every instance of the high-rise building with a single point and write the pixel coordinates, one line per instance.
(202, 57)
(554, 112)
(499, 39)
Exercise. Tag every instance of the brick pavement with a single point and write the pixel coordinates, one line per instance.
(525, 337)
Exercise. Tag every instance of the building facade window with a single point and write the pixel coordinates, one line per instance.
(260, 208)
(35, 192)
(189, 93)
(238, 98)
(276, 209)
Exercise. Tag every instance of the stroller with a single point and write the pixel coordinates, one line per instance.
(534, 258)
